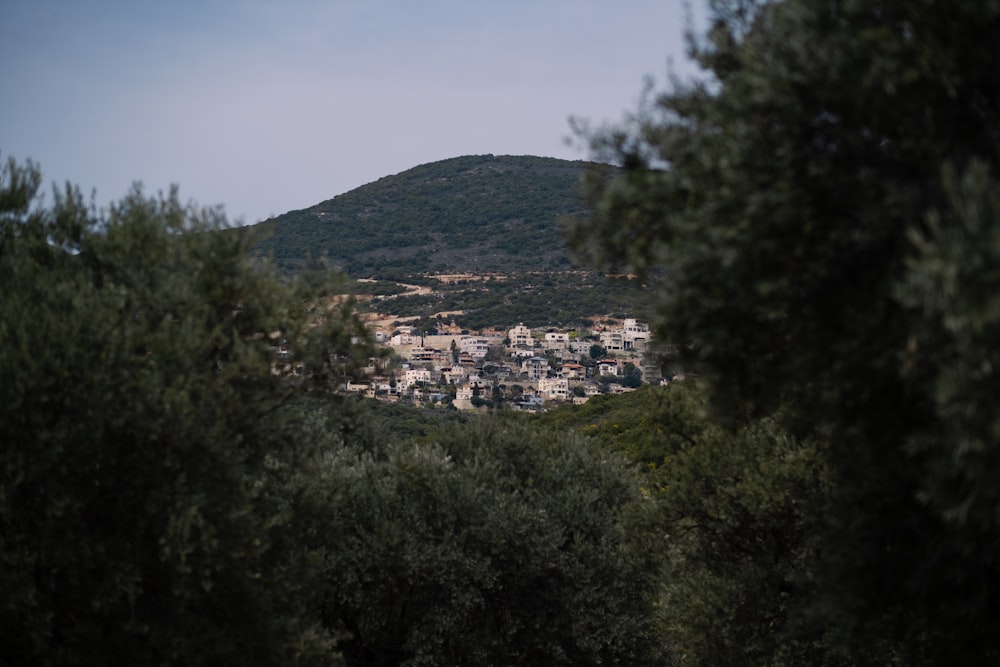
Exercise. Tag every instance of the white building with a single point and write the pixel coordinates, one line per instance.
(555, 340)
(553, 389)
(403, 338)
(607, 367)
(476, 347)
(412, 376)
(635, 334)
(520, 336)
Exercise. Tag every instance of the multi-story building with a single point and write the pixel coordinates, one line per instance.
(454, 374)
(412, 376)
(403, 338)
(553, 389)
(556, 340)
(535, 367)
(520, 336)
(607, 367)
(635, 334)
(613, 341)
(476, 347)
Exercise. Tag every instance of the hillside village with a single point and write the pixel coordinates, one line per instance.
(521, 368)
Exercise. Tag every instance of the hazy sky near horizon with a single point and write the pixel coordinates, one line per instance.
(266, 106)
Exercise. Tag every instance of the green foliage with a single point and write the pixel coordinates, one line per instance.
(739, 510)
(174, 490)
(742, 514)
(475, 213)
(478, 214)
(830, 253)
(534, 298)
(377, 287)
(382, 421)
(144, 435)
(645, 425)
(632, 376)
(493, 544)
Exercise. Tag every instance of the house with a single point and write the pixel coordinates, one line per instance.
(476, 347)
(553, 389)
(529, 403)
(358, 387)
(500, 372)
(403, 338)
(635, 334)
(520, 336)
(572, 371)
(413, 376)
(607, 367)
(535, 367)
(613, 341)
(453, 374)
(555, 340)
(428, 355)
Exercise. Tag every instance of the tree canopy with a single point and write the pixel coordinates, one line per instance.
(820, 213)
(181, 483)
(491, 543)
(143, 422)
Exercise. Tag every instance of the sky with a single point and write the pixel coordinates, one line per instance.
(265, 106)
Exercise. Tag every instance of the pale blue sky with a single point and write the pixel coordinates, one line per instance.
(269, 106)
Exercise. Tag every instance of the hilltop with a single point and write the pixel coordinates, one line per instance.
(471, 214)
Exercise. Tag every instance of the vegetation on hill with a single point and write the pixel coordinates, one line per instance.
(565, 299)
(499, 216)
(479, 213)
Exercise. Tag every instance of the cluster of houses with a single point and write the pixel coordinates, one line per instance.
(519, 367)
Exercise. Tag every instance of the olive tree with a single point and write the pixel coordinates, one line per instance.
(146, 423)
(819, 210)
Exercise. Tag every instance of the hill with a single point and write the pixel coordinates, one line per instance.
(481, 213)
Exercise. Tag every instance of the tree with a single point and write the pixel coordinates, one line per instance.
(493, 544)
(827, 249)
(631, 376)
(737, 512)
(147, 490)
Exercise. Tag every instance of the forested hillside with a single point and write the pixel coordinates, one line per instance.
(467, 214)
